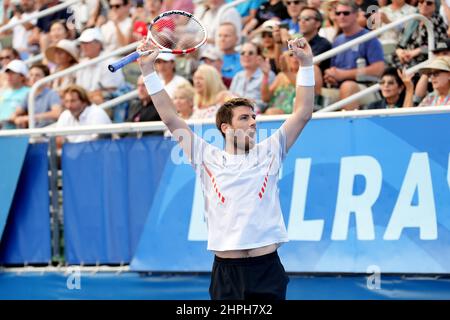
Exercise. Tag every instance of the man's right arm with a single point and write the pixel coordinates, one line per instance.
(164, 105)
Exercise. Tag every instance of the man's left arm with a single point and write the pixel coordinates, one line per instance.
(304, 98)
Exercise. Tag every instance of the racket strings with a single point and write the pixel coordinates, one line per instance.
(177, 32)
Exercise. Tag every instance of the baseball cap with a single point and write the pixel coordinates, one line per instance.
(140, 27)
(90, 35)
(17, 66)
(166, 56)
(212, 53)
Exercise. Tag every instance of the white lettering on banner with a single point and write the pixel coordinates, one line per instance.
(422, 215)
(197, 226)
(299, 229)
(360, 205)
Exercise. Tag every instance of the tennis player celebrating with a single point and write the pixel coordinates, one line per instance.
(240, 183)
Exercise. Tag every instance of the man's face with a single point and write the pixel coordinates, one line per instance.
(73, 103)
(345, 17)
(249, 56)
(242, 130)
(294, 7)
(14, 79)
(142, 90)
(91, 49)
(34, 75)
(308, 22)
(227, 38)
(164, 67)
(119, 8)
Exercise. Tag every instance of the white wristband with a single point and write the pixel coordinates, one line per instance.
(153, 83)
(305, 76)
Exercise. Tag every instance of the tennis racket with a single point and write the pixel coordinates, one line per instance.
(175, 31)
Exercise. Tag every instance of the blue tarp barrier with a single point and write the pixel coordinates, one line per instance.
(109, 186)
(358, 195)
(26, 238)
(12, 152)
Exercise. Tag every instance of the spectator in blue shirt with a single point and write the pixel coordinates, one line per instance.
(343, 72)
(247, 83)
(227, 40)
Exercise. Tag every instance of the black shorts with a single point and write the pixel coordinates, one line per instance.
(254, 278)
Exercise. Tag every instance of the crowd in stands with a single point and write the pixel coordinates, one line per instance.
(246, 55)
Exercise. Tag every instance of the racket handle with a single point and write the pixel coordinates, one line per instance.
(124, 61)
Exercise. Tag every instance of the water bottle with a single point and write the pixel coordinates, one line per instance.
(360, 65)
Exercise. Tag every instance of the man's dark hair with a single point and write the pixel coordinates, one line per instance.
(43, 67)
(393, 73)
(318, 15)
(225, 112)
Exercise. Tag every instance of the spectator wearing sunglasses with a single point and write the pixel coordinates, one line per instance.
(343, 71)
(438, 71)
(247, 83)
(396, 90)
(310, 21)
(413, 46)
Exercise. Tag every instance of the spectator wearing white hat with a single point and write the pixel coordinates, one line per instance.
(165, 66)
(214, 57)
(438, 70)
(63, 55)
(96, 79)
(11, 98)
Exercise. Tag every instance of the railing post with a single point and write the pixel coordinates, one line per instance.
(55, 210)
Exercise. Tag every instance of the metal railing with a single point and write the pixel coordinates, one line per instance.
(160, 126)
(372, 34)
(31, 100)
(38, 15)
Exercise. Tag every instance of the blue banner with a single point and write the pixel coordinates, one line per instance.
(358, 195)
(12, 151)
(109, 186)
(26, 238)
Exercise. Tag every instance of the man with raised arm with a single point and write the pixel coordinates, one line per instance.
(240, 183)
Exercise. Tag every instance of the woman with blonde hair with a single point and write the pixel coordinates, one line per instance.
(210, 92)
(183, 99)
(281, 93)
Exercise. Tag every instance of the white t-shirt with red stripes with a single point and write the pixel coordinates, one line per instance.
(242, 205)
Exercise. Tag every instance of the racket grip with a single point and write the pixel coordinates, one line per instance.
(124, 61)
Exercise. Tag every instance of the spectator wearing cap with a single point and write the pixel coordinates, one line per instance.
(118, 31)
(165, 67)
(79, 112)
(47, 103)
(96, 79)
(442, 49)
(214, 57)
(438, 71)
(63, 55)
(7, 54)
(268, 44)
(207, 14)
(14, 95)
(227, 40)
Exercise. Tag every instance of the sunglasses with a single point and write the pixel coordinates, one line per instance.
(388, 83)
(248, 53)
(434, 73)
(428, 3)
(345, 13)
(296, 2)
(306, 19)
(6, 57)
(266, 34)
(116, 6)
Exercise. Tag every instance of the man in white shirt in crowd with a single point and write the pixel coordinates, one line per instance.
(165, 66)
(79, 112)
(117, 32)
(240, 183)
(96, 79)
